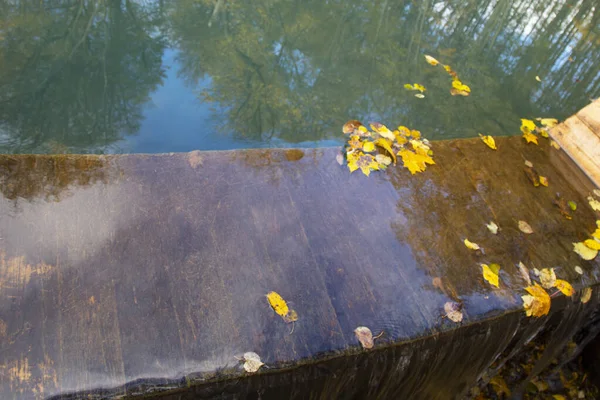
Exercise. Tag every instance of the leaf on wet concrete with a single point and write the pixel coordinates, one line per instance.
(195, 159)
(383, 160)
(364, 336)
(578, 269)
(489, 141)
(471, 245)
(387, 146)
(281, 308)
(592, 244)
(565, 287)
(532, 175)
(525, 227)
(543, 133)
(595, 204)
(366, 163)
(562, 206)
(547, 278)
(355, 143)
(453, 311)
(572, 205)
(537, 302)
(524, 273)
(554, 144)
(500, 387)
(431, 60)
(543, 181)
(586, 295)
(548, 122)
(490, 273)
(596, 233)
(530, 137)
(351, 126)
(528, 164)
(339, 158)
(382, 130)
(252, 362)
(584, 252)
(415, 162)
(492, 227)
(368, 146)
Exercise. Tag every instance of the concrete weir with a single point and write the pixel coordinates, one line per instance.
(146, 275)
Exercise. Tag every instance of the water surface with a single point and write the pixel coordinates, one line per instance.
(112, 76)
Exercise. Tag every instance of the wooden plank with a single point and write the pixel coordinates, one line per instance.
(590, 115)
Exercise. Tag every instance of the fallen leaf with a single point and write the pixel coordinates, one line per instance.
(530, 137)
(492, 227)
(459, 88)
(547, 278)
(524, 273)
(586, 295)
(281, 308)
(533, 176)
(415, 86)
(491, 143)
(596, 233)
(578, 270)
(525, 227)
(387, 146)
(382, 159)
(562, 206)
(548, 122)
(437, 283)
(368, 147)
(415, 162)
(595, 204)
(252, 362)
(597, 192)
(490, 273)
(543, 181)
(536, 272)
(540, 385)
(340, 159)
(351, 126)
(431, 60)
(565, 287)
(471, 245)
(537, 302)
(366, 163)
(527, 125)
(382, 130)
(420, 96)
(572, 205)
(528, 164)
(499, 386)
(537, 78)
(592, 244)
(554, 144)
(584, 252)
(558, 397)
(364, 336)
(195, 159)
(453, 311)
(354, 142)
(543, 133)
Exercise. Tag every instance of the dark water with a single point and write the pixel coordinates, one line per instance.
(175, 75)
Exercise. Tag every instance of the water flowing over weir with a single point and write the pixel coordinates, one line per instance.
(146, 274)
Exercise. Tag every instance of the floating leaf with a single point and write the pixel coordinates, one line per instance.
(592, 244)
(537, 302)
(364, 336)
(548, 122)
(578, 270)
(368, 147)
(415, 162)
(351, 126)
(524, 273)
(586, 295)
(525, 227)
(530, 137)
(547, 277)
(415, 86)
(383, 143)
(543, 181)
(252, 362)
(420, 96)
(572, 205)
(595, 204)
(382, 130)
(537, 78)
(492, 227)
(471, 245)
(491, 143)
(554, 144)
(459, 88)
(431, 60)
(565, 287)
(281, 308)
(490, 273)
(584, 252)
(527, 125)
(453, 311)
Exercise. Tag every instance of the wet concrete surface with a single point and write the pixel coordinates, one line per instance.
(146, 274)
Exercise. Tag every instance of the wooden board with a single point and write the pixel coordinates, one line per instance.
(144, 273)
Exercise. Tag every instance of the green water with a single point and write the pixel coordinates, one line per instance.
(112, 76)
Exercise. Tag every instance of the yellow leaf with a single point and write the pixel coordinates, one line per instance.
(354, 142)
(408, 86)
(584, 252)
(252, 362)
(530, 137)
(525, 227)
(537, 302)
(351, 126)
(537, 78)
(548, 122)
(554, 144)
(492, 227)
(420, 96)
(278, 304)
(363, 129)
(471, 245)
(415, 162)
(489, 141)
(491, 275)
(387, 146)
(291, 316)
(592, 244)
(415, 134)
(499, 386)
(431, 60)
(453, 311)
(382, 130)
(586, 295)
(404, 131)
(368, 147)
(595, 204)
(527, 124)
(565, 287)
(558, 397)
(524, 273)
(364, 336)
(596, 233)
(547, 277)
(383, 160)
(544, 181)
(415, 86)
(459, 88)
(543, 133)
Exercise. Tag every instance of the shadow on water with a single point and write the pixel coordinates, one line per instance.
(84, 75)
